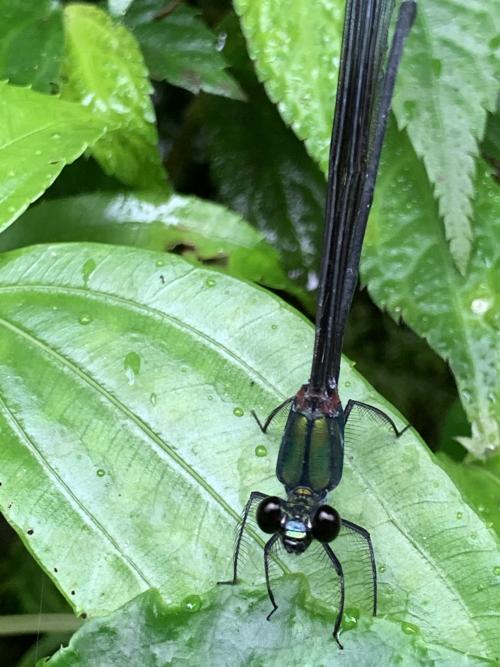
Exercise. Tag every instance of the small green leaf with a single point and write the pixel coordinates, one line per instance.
(409, 271)
(31, 42)
(229, 628)
(179, 48)
(197, 229)
(104, 71)
(129, 448)
(448, 84)
(39, 135)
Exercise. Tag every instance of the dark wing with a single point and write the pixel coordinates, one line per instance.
(364, 94)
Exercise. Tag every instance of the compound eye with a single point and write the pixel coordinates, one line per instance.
(326, 524)
(269, 514)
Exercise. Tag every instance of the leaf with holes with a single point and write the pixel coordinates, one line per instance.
(104, 70)
(179, 48)
(128, 447)
(199, 230)
(39, 135)
(31, 42)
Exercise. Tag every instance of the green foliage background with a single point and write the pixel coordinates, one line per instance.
(161, 211)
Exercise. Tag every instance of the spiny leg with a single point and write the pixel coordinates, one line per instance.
(254, 496)
(267, 551)
(338, 568)
(376, 411)
(264, 426)
(366, 536)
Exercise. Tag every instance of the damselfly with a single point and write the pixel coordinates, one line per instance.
(310, 458)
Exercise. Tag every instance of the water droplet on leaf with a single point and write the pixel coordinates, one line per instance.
(261, 451)
(85, 318)
(192, 603)
(87, 270)
(100, 472)
(238, 412)
(132, 366)
(409, 628)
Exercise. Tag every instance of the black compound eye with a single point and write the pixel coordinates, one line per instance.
(326, 524)
(269, 514)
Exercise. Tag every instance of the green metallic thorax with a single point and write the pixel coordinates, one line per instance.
(312, 448)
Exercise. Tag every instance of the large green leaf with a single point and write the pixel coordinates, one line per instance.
(104, 71)
(126, 385)
(39, 134)
(409, 271)
(448, 83)
(444, 88)
(31, 42)
(229, 628)
(199, 230)
(180, 48)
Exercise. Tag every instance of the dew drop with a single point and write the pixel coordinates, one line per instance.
(274, 326)
(160, 262)
(496, 570)
(347, 384)
(153, 398)
(382, 569)
(132, 366)
(261, 451)
(210, 282)
(459, 515)
(87, 270)
(192, 603)
(238, 412)
(38, 152)
(481, 508)
(55, 135)
(409, 628)
(221, 41)
(100, 472)
(85, 318)
(351, 618)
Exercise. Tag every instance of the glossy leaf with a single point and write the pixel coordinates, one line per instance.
(104, 71)
(129, 448)
(197, 229)
(229, 627)
(296, 52)
(448, 84)
(443, 90)
(39, 135)
(409, 272)
(179, 48)
(31, 43)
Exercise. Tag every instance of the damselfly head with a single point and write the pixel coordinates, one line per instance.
(296, 536)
